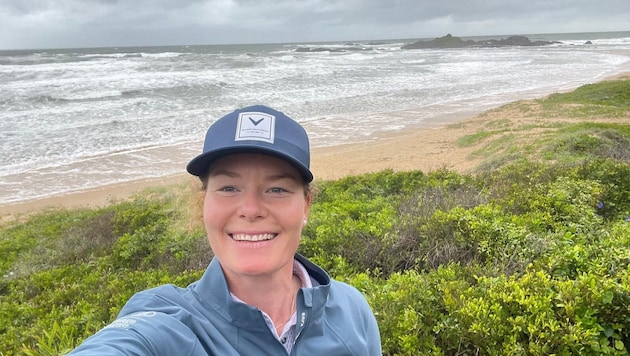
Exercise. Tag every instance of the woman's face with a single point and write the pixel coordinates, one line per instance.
(254, 212)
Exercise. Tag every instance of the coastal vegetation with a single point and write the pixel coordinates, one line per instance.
(528, 255)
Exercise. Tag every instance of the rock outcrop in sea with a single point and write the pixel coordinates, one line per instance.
(450, 41)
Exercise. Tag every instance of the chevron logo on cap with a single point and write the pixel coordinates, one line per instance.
(256, 126)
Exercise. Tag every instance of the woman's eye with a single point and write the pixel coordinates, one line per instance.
(228, 189)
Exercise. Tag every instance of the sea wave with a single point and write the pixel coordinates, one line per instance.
(82, 114)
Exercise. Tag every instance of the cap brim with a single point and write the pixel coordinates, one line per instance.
(200, 165)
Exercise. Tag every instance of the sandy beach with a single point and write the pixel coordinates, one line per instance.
(426, 148)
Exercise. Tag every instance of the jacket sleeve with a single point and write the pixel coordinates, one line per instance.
(373, 333)
(142, 333)
(351, 316)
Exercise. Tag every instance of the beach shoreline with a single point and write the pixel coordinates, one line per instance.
(424, 147)
(428, 147)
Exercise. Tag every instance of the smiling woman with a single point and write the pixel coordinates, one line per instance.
(254, 211)
(258, 296)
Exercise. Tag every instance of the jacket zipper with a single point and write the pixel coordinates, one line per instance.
(302, 322)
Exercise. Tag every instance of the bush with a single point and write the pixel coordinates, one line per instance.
(528, 259)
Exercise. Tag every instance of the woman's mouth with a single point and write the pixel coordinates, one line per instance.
(252, 237)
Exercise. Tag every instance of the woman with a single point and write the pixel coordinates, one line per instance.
(258, 296)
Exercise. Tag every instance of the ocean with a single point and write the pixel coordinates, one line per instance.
(79, 119)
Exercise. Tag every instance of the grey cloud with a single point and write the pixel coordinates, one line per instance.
(144, 22)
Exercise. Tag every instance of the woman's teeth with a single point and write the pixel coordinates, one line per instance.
(257, 237)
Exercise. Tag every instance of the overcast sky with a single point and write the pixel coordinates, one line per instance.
(97, 23)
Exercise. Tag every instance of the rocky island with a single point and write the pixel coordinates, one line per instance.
(450, 41)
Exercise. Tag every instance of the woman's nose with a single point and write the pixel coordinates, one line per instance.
(251, 207)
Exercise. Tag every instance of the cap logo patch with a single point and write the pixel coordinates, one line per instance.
(255, 126)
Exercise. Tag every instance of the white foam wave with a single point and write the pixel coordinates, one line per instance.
(116, 116)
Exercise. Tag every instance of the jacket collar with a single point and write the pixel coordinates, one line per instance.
(212, 292)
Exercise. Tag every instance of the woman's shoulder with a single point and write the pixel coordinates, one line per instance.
(157, 298)
(344, 292)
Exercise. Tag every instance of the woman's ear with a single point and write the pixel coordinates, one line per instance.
(307, 207)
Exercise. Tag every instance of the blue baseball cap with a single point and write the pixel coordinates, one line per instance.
(255, 129)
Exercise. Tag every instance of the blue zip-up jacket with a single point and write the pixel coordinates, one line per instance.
(333, 318)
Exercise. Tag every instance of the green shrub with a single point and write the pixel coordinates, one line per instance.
(590, 140)
(527, 259)
(349, 227)
(613, 178)
(534, 314)
(417, 240)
